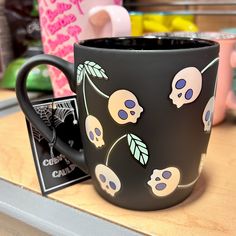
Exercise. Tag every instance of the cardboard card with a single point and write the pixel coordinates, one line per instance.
(54, 170)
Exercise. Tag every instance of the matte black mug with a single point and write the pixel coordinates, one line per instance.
(145, 114)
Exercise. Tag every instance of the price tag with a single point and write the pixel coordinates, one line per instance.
(54, 170)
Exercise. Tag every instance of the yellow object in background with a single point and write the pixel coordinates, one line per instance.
(181, 24)
(159, 22)
(152, 26)
(136, 19)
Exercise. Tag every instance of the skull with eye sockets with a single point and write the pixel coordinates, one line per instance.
(108, 179)
(164, 182)
(207, 116)
(124, 107)
(94, 131)
(186, 86)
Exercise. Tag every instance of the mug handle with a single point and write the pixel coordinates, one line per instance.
(231, 97)
(117, 15)
(67, 68)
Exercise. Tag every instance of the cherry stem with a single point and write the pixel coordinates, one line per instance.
(189, 184)
(210, 64)
(112, 147)
(95, 87)
(84, 95)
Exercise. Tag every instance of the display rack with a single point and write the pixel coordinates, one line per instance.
(145, 5)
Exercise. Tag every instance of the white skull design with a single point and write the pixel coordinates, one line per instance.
(107, 179)
(164, 182)
(94, 131)
(207, 116)
(124, 107)
(186, 86)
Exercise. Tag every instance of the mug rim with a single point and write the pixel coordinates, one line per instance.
(220, 35)
(206, 35)
(208, 44)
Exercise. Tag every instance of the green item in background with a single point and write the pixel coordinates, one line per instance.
(35, 11)
(38, 78)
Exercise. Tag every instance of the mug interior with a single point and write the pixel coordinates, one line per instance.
(147, 43)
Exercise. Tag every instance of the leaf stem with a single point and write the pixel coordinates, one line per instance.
(95, 87)
(210, 64)
(84, 95)
(113, 145)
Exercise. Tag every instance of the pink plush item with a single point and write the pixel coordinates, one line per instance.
(64, 23)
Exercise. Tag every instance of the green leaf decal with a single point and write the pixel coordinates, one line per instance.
(138, 149)
(80, 73)
(95, 70)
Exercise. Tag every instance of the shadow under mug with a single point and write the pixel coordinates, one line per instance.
(145, 115)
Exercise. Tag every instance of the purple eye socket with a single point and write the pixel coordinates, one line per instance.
(189, 94)
(91, 135)
(97, 131)
(102, 178)
(180, 84)
(160, 186)
(129, 104)
(122, 114)
(207, 116)
(166, 174)
(112, 185)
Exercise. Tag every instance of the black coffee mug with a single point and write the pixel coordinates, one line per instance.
(145, 114)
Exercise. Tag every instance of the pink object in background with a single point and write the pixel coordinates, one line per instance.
(65, 22)
(225, 97)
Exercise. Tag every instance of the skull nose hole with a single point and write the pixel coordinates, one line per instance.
(132, 113)
(179, 95)
(96, 139)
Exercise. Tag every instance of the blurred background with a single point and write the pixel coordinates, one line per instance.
(208, 15)
(20, 32)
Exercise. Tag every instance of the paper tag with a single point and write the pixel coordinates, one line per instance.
(56, 171)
